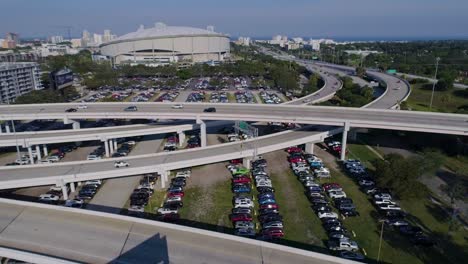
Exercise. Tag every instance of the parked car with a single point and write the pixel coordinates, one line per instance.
(343, 244)
(48, 198)
(327, 215)
(168, 210)
(74, 203)
(247, 232)
(244, 224)
(241, 217)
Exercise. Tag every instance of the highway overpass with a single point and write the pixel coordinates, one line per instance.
(93, 237)
(316, 115)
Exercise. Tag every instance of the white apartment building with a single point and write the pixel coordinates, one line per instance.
(17, 79)
(56, 50)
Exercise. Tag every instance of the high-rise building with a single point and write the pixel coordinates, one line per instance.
(76, 43)
(56, 39)
(107, 36)
(97, 39)
(17, 79)
(85, 38)
(11, 40)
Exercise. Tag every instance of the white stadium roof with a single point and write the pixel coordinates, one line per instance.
(162, 30)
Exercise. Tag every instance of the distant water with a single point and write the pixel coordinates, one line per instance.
(376, 38)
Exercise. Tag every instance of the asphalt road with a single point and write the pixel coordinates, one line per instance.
(250, 112)
(76, 235)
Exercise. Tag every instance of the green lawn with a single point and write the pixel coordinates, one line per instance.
(231, 98)
(444, 101)
(301, 226)
(155, 201)
(366, 227)
(361, 152)
(208, 208)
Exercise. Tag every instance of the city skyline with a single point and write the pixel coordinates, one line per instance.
(364, 19)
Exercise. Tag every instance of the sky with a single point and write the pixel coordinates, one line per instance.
(352, 19)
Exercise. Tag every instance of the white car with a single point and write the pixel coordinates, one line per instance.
(327, 215)
(244, 204)
(121, 163)
(389, 207)
(278, 224)
(75, 203)
(383, 196)
(167, 210)
(22, 161)
(177, 106)
(48, 198)
(337, 194)
(383, 201)
(53, 158)
(93, 157)
(93, 182)
(136, 209)
(183, 174)
(244, 224)
(174, 199)
(45, 161)
(83, 106)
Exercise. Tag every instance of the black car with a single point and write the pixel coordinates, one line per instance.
(173, 204)
(69, 110)
(330, 221)
(265, 189)
(270, 217)
(410, 230)
(422, 240)
(317, 201)
(321, 208)
(209, 110)
(268, 211)
(178, 184)
(349, 213)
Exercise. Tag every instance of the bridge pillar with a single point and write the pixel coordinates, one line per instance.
(76, 125)
(343, 141)
(202, 132)
(64, 192)
(115, 144)
(111, 146)
(31, 158)
(246, 163)
(72, 187)
(7, 128)
(181, 136)
(38, 151)
(309, 148)
(106, 147)
(1, 129)
(164, 178)
(46, 152)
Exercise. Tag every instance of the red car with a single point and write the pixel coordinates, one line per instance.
(327, 186)
(175, 194)
(269, 206)
(293, 150)
(241, 180)
(273, 232)
(296, 160)
(169, 217)
(236, 161)
(241, 217)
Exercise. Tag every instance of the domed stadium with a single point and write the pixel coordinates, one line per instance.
(162, 45)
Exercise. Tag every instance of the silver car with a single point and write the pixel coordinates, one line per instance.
(273, 224)
(244, 225)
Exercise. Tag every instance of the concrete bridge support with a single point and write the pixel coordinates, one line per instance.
(181, 136)
(31, 158)
(64, 192)
(115, 144)
(246, 162)
(72, 187)
(344, 141)
(106, 147)
(46, 151)
(309, 148)
(164, 178)
(202, 132)
(38, 151)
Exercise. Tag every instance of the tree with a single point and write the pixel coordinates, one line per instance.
(360, 71)
(444, 84)
(401, 175)
(40, 97)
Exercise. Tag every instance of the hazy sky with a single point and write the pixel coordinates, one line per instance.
(265, 18)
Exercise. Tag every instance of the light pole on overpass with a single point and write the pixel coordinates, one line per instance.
(18, 155)
(434, 84)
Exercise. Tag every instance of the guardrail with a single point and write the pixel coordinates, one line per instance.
(180, 228)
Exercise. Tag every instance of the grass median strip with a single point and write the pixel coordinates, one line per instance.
(302, 227)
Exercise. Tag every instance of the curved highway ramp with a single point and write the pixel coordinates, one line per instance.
(94, 237)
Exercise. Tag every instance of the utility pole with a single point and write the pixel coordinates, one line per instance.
(380, 240)
(435, 81)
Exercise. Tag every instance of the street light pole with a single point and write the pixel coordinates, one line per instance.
(380, 240)
(18, 155)
(435, 81)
